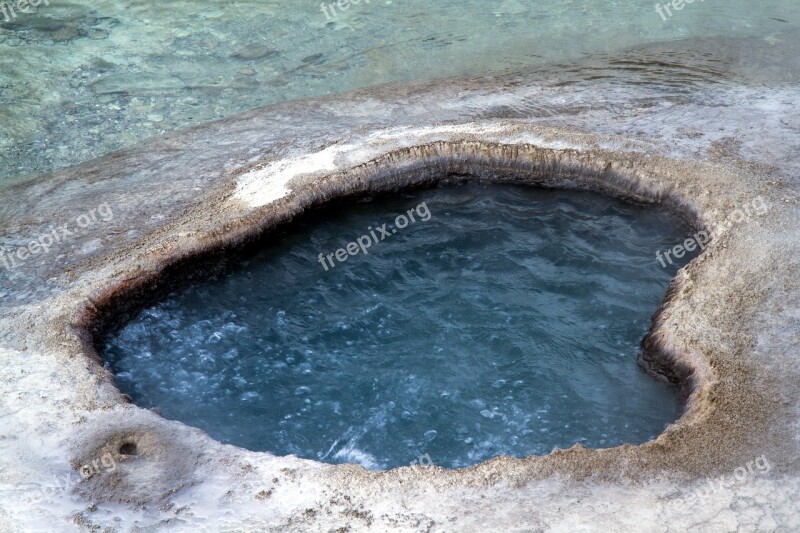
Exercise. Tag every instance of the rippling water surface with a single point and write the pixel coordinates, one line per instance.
(508, 323)
(79, 79)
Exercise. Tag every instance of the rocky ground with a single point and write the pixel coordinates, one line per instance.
(77, 455)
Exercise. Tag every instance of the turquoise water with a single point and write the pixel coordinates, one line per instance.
(80, 79)
(502, 320)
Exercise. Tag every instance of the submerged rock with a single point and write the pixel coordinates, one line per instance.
(255, 51)
(137, 84)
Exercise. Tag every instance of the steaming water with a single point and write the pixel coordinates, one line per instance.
(507, 324)
(79, 79)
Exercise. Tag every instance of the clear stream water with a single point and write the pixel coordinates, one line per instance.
(80, 79)
(508, 323)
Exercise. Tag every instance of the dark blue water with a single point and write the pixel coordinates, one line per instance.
(507, 323)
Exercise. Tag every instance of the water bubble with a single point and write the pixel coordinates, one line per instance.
(230, 327)
(477, 403)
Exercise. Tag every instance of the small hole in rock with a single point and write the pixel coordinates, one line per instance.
(128, 448)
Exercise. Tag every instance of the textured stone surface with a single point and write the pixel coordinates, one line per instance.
(728, 329)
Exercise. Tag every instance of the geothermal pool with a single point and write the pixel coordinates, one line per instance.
(500, 320)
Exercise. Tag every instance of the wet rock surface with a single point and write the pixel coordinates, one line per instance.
(181, 205)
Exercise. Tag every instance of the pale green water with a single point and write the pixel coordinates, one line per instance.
(81, 79)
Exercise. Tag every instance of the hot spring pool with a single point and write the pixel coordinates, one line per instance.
(504, 320)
